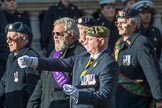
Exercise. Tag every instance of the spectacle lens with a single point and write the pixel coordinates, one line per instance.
(58, 33)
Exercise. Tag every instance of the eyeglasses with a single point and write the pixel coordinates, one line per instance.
(119, 23)
(13, 38)
(58, 33)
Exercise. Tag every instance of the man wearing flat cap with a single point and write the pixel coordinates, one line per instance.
(107, 18)
(17, 84)
(140, 75)
(145, 11)
(95, 72)
(83, 23)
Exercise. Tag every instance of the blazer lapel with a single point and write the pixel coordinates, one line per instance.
(97, 62)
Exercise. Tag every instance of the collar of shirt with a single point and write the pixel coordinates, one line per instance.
(97, 55)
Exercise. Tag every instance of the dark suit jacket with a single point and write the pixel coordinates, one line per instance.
(17, 92)
(141, 65)
(44, 96)
(104, 67)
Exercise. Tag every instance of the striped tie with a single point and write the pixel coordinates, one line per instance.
(90, 61)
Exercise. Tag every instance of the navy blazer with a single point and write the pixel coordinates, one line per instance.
(104, 67)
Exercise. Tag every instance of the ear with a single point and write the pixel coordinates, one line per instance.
(24, 37)
(101, 41)
(71, 35)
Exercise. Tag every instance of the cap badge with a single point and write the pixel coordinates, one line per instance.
(16, 76)
(10, 26)
(79, 20)
(121, 13)
(145, 5)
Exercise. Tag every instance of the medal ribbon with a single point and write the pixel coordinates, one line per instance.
(59, 77)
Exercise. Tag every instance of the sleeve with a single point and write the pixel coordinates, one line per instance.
(2, 85)
(56, 64)
(159, 46)
(35, 98)
(2, 90)
(108, 80)
(32, 76)
(151, 68)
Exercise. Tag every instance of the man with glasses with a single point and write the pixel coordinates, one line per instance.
(64, 8)
(17, 84)
(65, 35)
(8, 15)
(95, 72)
(138, 65)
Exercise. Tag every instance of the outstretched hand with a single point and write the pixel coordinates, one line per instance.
(26, 61)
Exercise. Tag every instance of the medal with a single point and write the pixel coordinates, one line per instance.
(89, 79)
(16, 75)
(126, 60)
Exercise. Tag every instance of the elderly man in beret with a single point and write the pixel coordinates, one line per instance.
(138, 64)
(95, 72)
(18, 84)
(83, 23)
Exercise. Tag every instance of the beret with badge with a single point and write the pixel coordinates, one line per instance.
(144, 5)
(86, 21)
(98, 31)
(127, 13)
(19, 27)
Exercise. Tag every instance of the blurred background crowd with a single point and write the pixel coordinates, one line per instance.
(36, 14)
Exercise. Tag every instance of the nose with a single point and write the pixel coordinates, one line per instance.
(85, 42)
(8, 40)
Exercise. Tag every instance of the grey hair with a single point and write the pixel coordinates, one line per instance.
(136, 20)
(69, 25)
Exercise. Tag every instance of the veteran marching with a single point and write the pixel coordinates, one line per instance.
(137, 60)
(103, 68)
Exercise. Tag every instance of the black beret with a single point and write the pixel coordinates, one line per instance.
(143, 6)
(19, 27)
(86, 21)
(98, 31)
(127, 13)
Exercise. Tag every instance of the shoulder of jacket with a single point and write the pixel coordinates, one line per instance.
(155, 29)
(32, 52)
